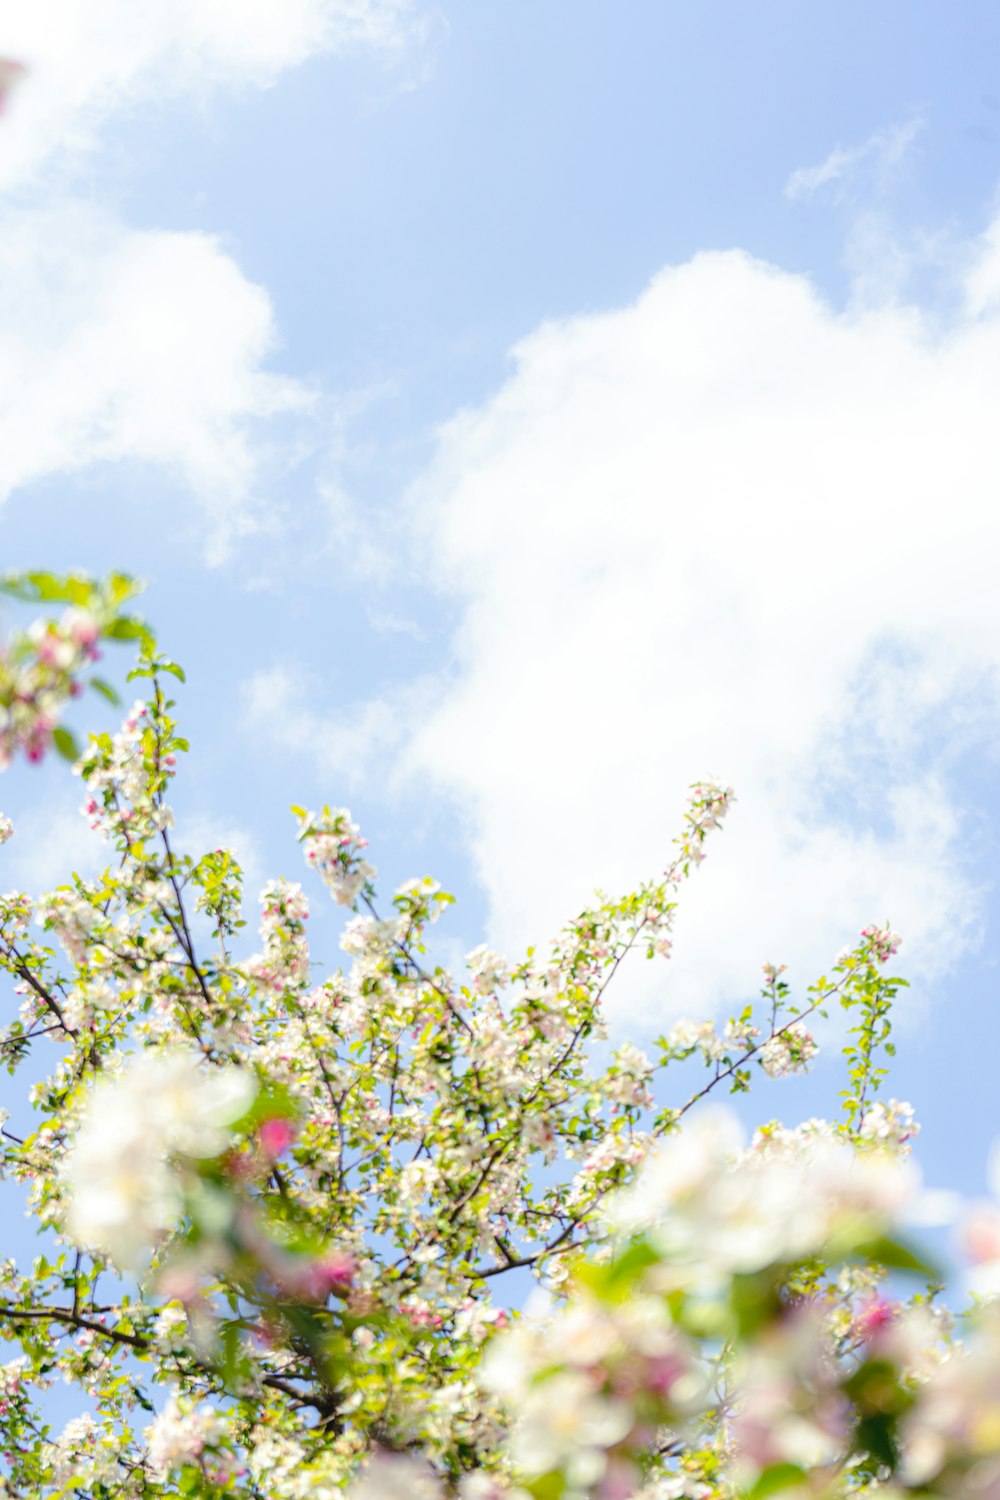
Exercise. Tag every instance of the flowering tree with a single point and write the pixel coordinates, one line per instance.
(285, 1218)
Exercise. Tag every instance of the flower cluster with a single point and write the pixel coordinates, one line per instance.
(334, 848)
(285, 959)
(125, 775)
(788, 1051)
(710, 802)
(36, 685)
(42, 669)
(890, 1122)
(715, 1209)
(588, 1383)
(191, 1437)
(884, 943)
(735, 1340)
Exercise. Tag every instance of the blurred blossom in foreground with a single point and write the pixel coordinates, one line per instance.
(123, 1194)
(11, 73)
(718, 1210)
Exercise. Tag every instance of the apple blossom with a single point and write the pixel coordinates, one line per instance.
(122, 1191)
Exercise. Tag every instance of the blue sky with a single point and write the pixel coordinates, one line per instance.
(521, 411)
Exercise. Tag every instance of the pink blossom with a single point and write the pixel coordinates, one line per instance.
(275, 1136)
(981, 1234)
(875, 1315)
(11, 73)
(336, 1270)
(884, 942)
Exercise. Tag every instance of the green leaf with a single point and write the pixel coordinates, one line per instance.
(127, 628)
(273, 1102)
(876, 1435)
(625, 1268)
(895, 1256)
(34, 588)
(547, 1486)
(232, 1354)
(754, 1300)
(106, 691)
(774, 1478)
(66, 744)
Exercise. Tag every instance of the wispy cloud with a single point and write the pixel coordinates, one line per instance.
(89, 59)
(52, 841)
(877, 159)
(353, 745)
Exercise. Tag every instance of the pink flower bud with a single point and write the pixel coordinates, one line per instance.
(336, 1270)
(874, 1316)
(981, 1234)
(275, 1135)
(180, 1282)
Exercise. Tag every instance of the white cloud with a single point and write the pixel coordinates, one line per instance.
(725, 530)
(982, 277)
(142, 345)
(880, 155)
(52, 842)
(285, 705)
(89, 58)
(355, 531)
(148, 346)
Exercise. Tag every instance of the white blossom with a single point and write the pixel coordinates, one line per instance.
(123, 1192)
